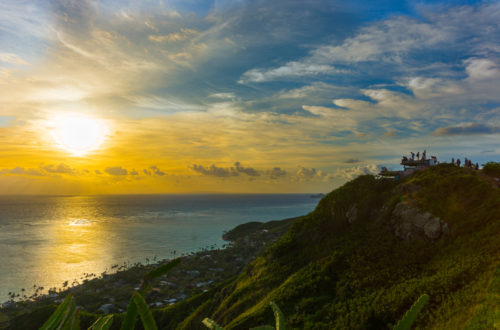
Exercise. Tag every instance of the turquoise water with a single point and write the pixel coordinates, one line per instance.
(46, 240)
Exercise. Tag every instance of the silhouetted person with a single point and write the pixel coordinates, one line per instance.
(412, 156)
(458, 162)
(423, 154)
(477, 166)
(453, 161)
(418, 155)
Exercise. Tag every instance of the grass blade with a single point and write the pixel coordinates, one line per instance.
(102, 323)
(411, 315)
(147, 319)
(163, 269)
(263, 327)
(65, 323)
(58, 314)
(130, 317)
(278, 315)
(211, 324)
(74, 322)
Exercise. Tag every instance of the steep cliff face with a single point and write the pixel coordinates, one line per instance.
(368, 251)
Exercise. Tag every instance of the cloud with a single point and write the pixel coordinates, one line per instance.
(98, 172)
(61, 169)
(247, 170)
(276, 173)
(134, 172)
(481, 68)
(116, 170)
(222, 95)
(390, 134)
(319, 110)
(225, 171)
(467, 129)
(305, 174)
(401, 46)
(155, 170)
(12, 58)
(22, 171)
(350, 173)
(351, 161)
(290, 70)
(174, 37)
(221, 172)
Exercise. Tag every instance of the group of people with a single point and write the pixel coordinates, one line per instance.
(467, 163)
(424, 156)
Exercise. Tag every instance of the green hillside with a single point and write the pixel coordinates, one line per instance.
(343, 266)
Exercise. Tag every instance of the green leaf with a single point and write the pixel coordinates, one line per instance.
(163, 269)
(278, 315)
(102, 323)
(74, 322)
(411, 315)
(211, 324)
(263, 327)
(69, 314)
(58, 314)
(130, 317)
(147, 319)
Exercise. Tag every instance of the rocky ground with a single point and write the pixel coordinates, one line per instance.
(110, 293)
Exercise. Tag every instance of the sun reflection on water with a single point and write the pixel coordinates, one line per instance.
(73, 247)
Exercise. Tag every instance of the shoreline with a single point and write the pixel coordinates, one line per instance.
(198, 272)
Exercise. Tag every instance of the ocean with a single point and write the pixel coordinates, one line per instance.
(47, 240)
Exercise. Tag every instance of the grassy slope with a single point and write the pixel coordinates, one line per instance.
(327, 273)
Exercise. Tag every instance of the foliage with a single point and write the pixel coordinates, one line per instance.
(66, 315)
(406, 322)
(278, 315)
(492, 168)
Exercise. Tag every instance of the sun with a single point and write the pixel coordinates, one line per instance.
(78, 134)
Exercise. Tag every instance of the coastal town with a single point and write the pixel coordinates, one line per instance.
(197, 273)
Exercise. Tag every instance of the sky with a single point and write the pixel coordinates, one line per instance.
(240, 96)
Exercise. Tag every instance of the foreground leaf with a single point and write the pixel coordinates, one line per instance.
(278, 315)
(58, 314)
(211, 324)
(162, 270)
(69, 317)
(102, 323)
(147, 319)
(130, 316)
(411, 315)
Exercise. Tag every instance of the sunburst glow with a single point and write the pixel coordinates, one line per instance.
(78, 134)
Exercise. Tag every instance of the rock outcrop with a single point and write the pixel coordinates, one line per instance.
(352, 214)
(409, 222)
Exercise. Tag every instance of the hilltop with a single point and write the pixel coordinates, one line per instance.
(363, 256)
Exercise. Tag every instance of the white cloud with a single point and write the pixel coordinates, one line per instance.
(290, 70)
(12, 58)
(350, 173)
(481, 68)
